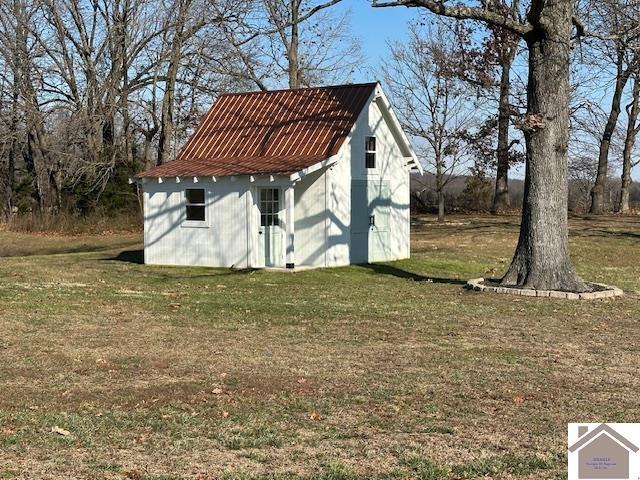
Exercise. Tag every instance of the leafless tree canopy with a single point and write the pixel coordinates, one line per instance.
(92, 91)
(436, 105)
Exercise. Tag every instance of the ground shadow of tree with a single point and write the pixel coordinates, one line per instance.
(386, 269)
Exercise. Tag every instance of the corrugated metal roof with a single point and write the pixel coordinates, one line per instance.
(275, 132)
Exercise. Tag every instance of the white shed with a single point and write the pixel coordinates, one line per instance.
(313, 177)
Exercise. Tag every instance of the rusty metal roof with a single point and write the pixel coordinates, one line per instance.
(274, 132)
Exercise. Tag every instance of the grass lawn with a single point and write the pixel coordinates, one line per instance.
(381, 371)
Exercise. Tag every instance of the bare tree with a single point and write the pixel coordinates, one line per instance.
(304, 41)
(434, 104)
(316, 47)
(542, 258)
(488, 66)
(186, 23)
(582, 174)
(633, 128)
(9, 111)
(505, 46)
(17, 46)
(622, 51)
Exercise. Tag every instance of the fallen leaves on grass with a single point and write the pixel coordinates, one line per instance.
(315, 416)
(60, 431)
(133, 475)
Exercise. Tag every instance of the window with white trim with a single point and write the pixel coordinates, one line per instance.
(370, 152)
(195, 204)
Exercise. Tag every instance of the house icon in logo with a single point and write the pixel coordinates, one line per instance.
(602, 453)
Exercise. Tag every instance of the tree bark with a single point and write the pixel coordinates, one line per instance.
(440, 186)
(8, 166)
(166, 119)
(598, 202)
(541, 260)
(38, 159)
(501, 200)
(440, 206)
(292, 53)
(633, 111)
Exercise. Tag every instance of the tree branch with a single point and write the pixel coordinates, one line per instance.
(462, 12)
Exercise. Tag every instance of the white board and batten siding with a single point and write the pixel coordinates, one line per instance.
(221, 241)
(332, 207)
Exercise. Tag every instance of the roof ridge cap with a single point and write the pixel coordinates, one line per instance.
(318, 87)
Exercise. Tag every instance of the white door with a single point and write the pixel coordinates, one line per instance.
(380, 211)
(370, 212)
(270, 231)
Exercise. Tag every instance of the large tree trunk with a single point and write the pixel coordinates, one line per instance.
(501, 199)
(292, 53)
(629, 142)
(624, 206)
(598, 201)
(541, 260)
(440, 205)
(6, 190)
(37, 156)
(168, 100)
(166, 121)
(440, 186)
(39, 165)
(7, 175)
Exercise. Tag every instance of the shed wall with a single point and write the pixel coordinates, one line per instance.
(220, 242)
(391, 173)
(327, 232)
(311, 220)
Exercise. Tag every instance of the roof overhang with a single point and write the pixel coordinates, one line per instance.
(313, 168)
(396, 128)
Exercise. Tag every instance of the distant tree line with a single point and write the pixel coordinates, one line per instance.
(474, 192)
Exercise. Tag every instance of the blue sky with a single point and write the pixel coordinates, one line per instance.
(375, 27)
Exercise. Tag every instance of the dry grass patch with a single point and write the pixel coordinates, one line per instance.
(383, 371)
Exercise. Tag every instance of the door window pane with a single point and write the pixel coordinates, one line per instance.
(269, 207)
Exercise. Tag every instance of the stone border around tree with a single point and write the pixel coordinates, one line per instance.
(607, 291)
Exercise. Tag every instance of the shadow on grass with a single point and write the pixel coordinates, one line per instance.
(137, 257)
(607, 233)
(19, 251)
(384, 269)
(129, 256)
